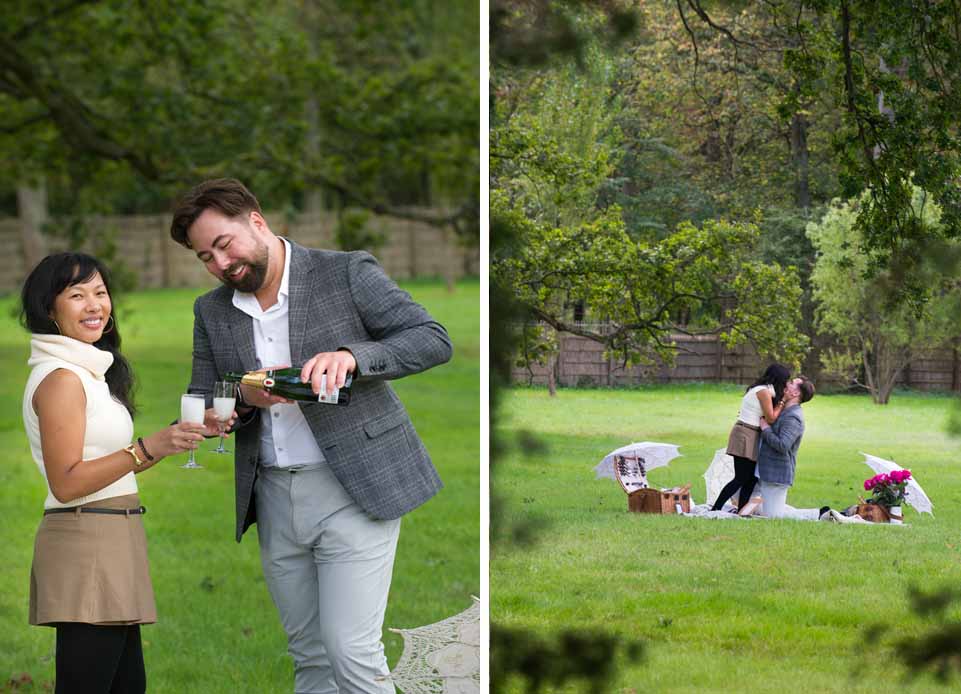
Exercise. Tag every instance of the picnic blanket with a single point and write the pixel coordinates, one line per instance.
(802, 514)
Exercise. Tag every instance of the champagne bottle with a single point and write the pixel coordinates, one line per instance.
(287, 384)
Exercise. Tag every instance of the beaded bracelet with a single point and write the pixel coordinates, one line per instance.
(144, 449)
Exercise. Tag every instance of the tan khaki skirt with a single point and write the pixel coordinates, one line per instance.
(742, 441)
(92, 568)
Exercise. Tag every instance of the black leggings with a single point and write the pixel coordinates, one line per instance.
(99, 659)
(744, 480)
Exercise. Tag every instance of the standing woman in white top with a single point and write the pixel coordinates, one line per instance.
(89, 578)
(762, 399)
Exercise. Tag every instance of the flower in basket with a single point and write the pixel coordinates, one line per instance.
(888, 489)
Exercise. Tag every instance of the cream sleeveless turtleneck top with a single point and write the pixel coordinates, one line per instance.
(751, 412)
(108, 427)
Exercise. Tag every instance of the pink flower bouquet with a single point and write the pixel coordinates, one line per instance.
(888, 489)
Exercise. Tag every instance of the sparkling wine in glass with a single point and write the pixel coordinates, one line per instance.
(225, 397)
(192, 409)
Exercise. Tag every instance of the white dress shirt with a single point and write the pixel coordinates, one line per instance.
(285, 437)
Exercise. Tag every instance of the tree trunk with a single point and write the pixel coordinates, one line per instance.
(719, 360)
(891, 363)
(956, 366)
(886, 372)
(32, 210)
(731, 147)
(313, 198)
(799, 159)
(552, 375)
(869, 370)
(314, 202)
(450, 259)
(885, 393)
(883, 108)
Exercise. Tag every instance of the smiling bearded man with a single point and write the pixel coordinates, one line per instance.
(248, 276)
(325, 485)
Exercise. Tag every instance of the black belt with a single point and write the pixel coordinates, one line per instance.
(291, 469)
(108, 511)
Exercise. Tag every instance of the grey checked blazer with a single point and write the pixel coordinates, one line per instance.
(777, 451)
(337, 300)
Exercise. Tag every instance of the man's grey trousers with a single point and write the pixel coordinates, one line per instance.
(328, 568)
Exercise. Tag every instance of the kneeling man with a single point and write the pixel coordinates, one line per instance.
(777, 451)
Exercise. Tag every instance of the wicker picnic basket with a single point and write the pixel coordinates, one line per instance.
(660, 501)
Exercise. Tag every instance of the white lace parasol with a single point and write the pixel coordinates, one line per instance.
(441, 658)
(654, 455)
(718, 474)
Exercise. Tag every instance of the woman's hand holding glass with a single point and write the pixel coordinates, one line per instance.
(177, 438)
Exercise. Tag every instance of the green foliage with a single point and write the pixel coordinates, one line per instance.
(725, 108)
(954, 420)
(554, 140)
(80, 232)
(888, 65)
(353, 233)
(547, 32)
(876, 337)
(556, 143)
(538, 345)
(796, 103)
(704, 276)
(938, 649)
(374, 109)
(652, 185)
(783, 238)
(544, 664)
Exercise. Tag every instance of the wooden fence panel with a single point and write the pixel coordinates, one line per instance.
(581, 361)
(412, 249)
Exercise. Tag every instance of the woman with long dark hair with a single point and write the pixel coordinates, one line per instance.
(761, 399)
(89, 578)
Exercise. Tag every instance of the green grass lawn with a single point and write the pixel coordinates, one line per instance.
(753, 605)
(218, 630)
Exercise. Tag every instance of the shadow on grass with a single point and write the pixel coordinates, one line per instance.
(936, 651)
(588, 656)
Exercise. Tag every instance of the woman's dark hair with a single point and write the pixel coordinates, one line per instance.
(52, 275)
(776, 375)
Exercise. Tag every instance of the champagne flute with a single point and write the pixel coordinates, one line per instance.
(225, 397)
(192, 408)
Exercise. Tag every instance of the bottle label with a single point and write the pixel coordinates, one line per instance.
(330, 399)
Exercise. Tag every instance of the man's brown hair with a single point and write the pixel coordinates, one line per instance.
(228, 196)
(807, 389)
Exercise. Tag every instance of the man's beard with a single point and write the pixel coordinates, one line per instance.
(253, 279)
